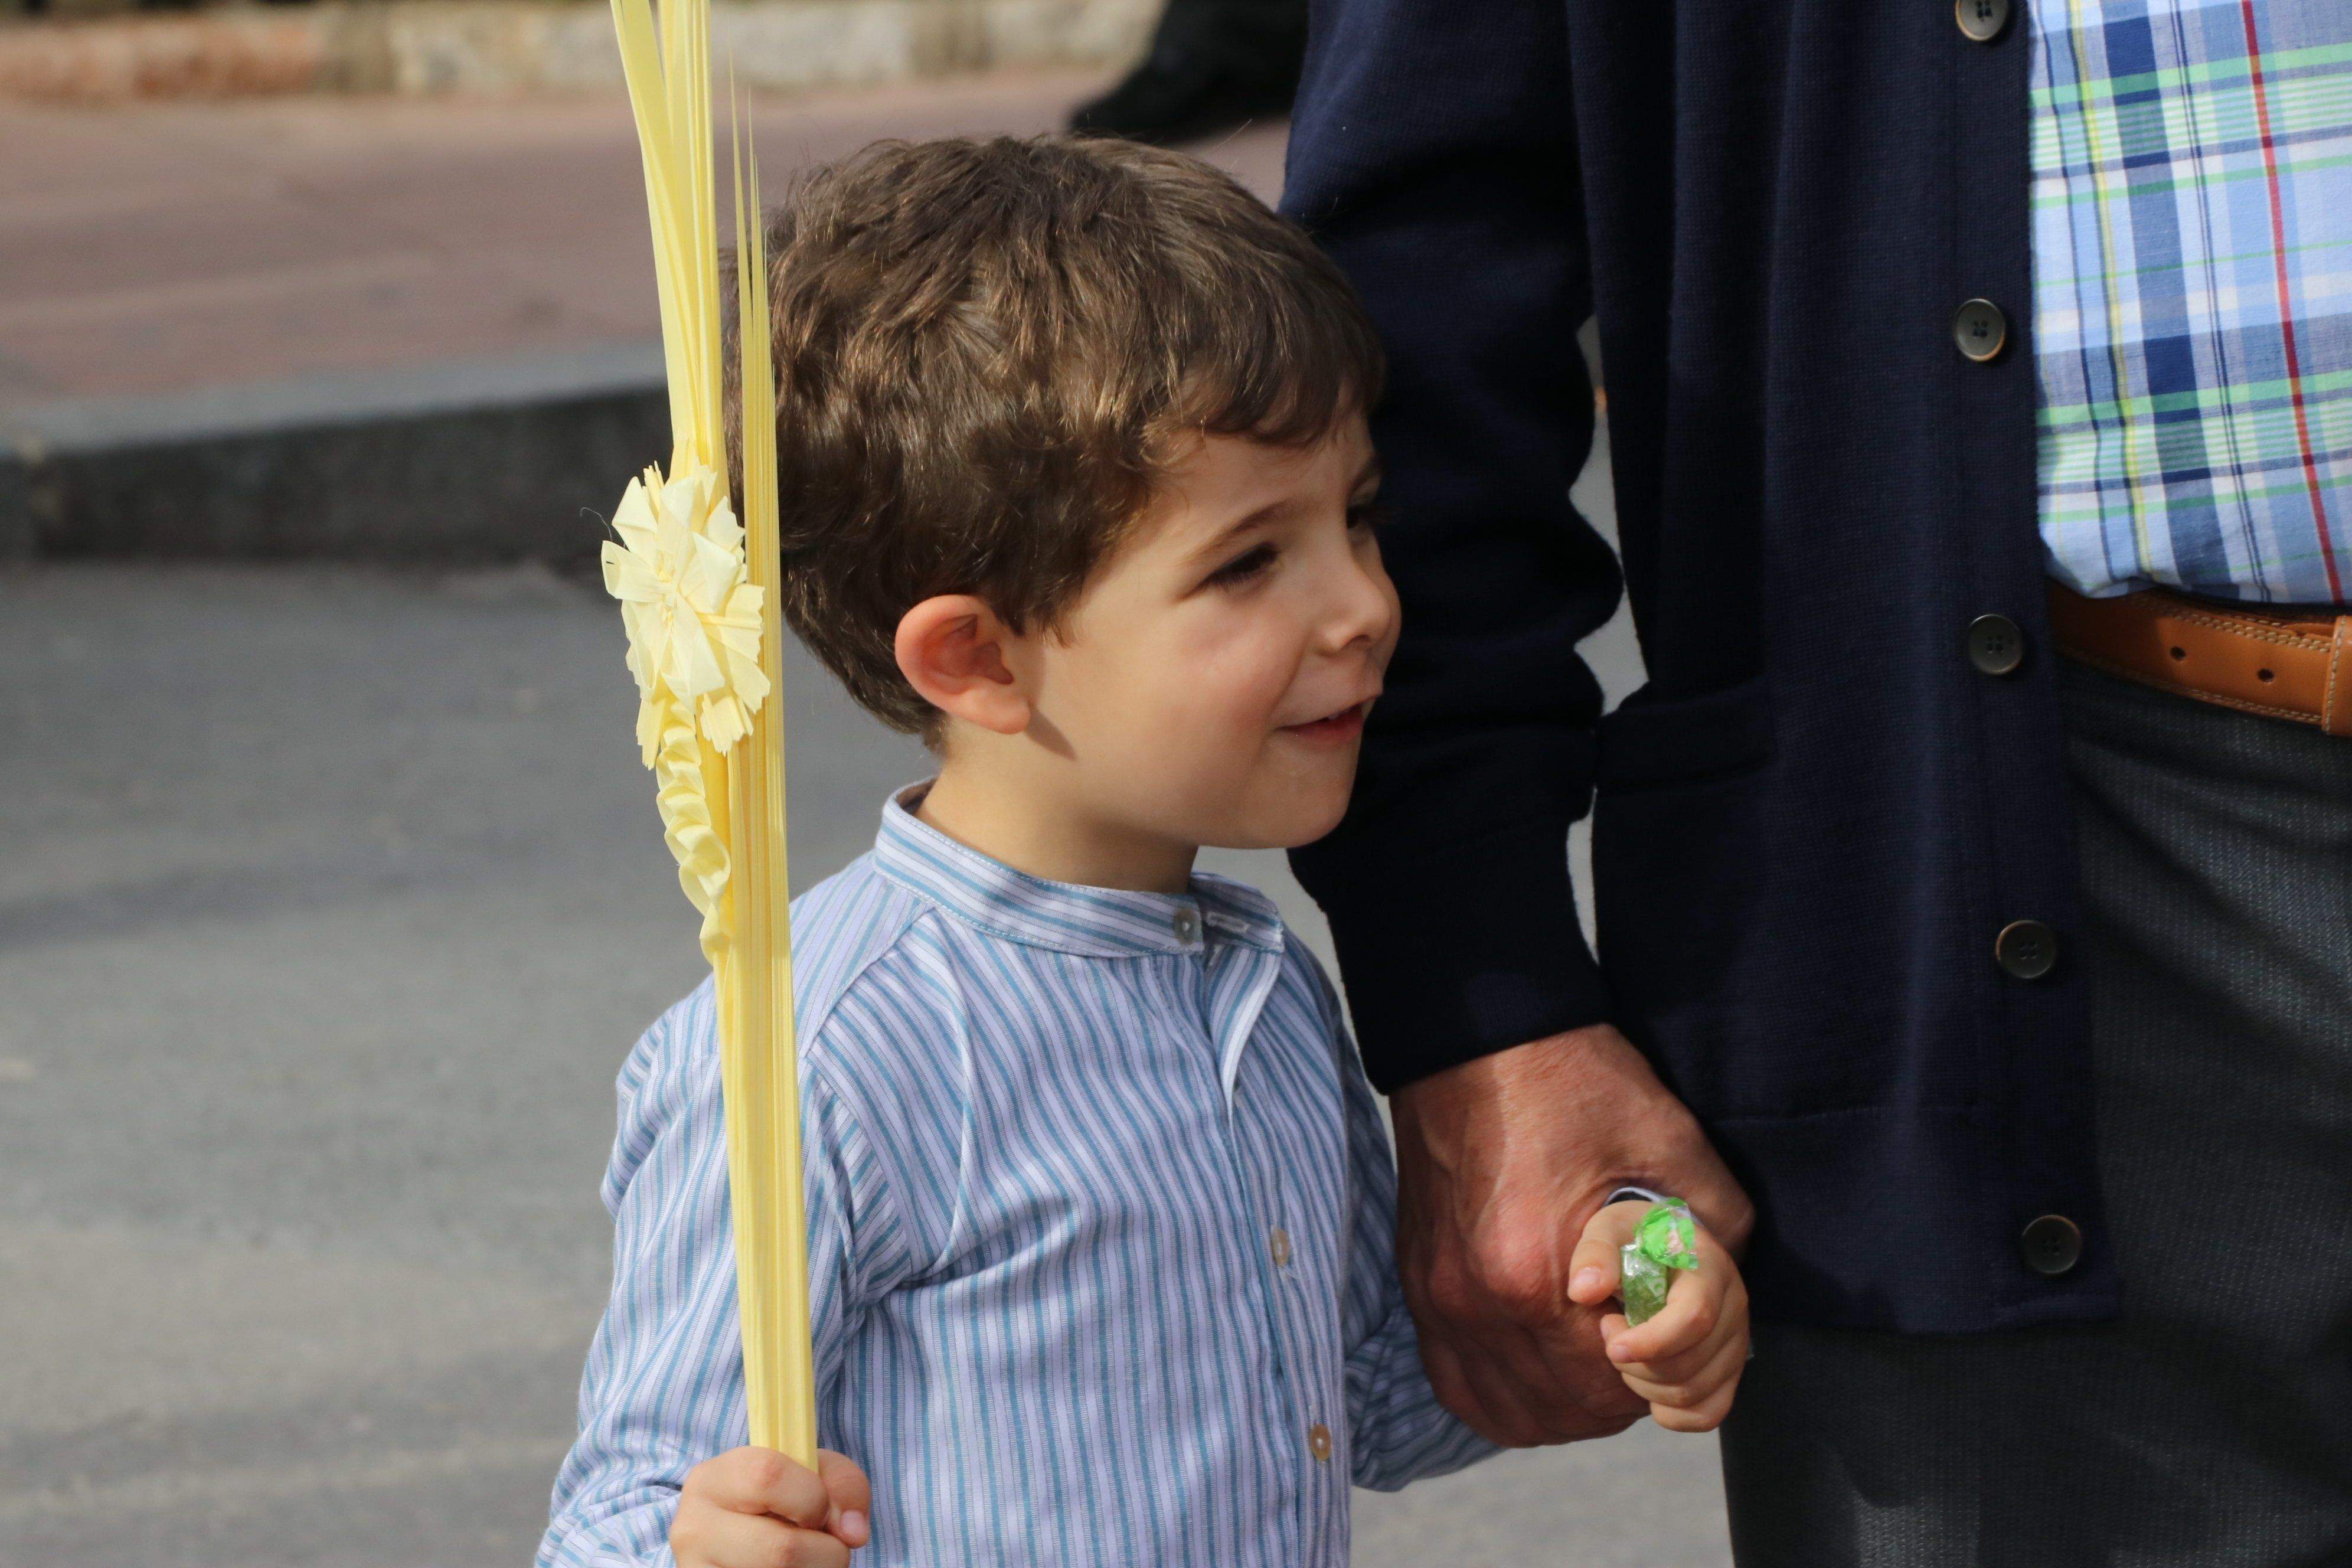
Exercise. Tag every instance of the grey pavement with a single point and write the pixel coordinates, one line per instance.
(331, 902)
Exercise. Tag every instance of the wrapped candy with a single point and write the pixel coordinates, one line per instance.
(1667, 1239)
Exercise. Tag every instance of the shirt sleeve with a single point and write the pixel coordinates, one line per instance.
(1432, 155)
(1398, 1430)
(664, 1385)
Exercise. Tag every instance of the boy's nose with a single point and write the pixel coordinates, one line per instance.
(1365, 609)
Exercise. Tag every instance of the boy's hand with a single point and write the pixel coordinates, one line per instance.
(1687, 1359)
(753, 1507)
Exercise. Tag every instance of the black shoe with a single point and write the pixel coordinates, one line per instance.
(1205, 74)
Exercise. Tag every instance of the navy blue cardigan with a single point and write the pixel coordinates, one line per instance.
(1811, 823)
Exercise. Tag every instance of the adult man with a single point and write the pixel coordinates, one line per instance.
(2015, 993)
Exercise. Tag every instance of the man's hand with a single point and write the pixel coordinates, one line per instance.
(753, 1507)
(1500, 1162)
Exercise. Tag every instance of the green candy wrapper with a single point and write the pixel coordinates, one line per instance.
(1668, 1239)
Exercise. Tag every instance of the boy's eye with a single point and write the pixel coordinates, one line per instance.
(1244, 567)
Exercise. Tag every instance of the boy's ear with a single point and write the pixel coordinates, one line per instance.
(950, 649)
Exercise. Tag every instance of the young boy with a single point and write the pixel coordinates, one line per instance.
(1077, 486)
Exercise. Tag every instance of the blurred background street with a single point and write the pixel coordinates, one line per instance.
(332, 894)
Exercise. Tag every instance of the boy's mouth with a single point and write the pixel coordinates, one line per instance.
(1344, 725)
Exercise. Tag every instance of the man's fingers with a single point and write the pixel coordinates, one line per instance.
(1567, 1345)
(1717, 1200)
(1452, 1388)
(729, 1540)
(1508, 1399)
(1569, 1393)
(760, 1480)
(1488, 1368)
(1501, 1403)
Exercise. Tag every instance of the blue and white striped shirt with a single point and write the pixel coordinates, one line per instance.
(1099, 1235)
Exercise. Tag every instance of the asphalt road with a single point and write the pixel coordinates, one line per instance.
(329, 904)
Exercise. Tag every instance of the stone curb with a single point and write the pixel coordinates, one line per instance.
(516, 45)
(472, 462)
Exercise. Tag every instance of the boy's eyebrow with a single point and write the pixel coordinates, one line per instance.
(1239, 526)
(1366, 475)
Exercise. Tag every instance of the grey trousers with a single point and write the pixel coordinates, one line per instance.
(2213, 1426)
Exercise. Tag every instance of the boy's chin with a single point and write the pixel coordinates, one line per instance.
(1305, 820)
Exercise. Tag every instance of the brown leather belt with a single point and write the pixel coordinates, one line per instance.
(2288, 664)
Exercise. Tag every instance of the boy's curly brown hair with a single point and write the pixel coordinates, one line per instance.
(987, 352)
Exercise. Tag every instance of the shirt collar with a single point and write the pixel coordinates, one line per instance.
(1070, 917)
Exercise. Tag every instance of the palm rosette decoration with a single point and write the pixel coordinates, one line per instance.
(692, 614)
(706, 646)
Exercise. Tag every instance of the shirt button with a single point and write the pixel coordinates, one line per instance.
(1995, 645)
(1981, 20)
(1187, 924)
(1980, 330)
(2026, 950)
(1318, 1442)
(1279, 1243)
(2051, 1245)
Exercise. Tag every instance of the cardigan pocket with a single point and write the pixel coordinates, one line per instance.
(1647, 743)
(1679, 853)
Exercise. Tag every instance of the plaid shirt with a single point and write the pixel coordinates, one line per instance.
(2192, 249)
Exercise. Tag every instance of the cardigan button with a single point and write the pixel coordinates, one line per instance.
(2026, 950)
(1980, 329)
(1996, 646)
(1318, 1442)
(1981, 20)
(2051, 1245)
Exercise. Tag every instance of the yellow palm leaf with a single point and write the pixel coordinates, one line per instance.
(698, 600)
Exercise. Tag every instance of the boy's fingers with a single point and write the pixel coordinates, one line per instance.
(760, 1480)
(1704, 1416)
(852, 1495)
(754, 1541)
(1694, 1305)
(1592, 1269)
(1690, 1384)
(844, 1483)
(1683, 1366)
